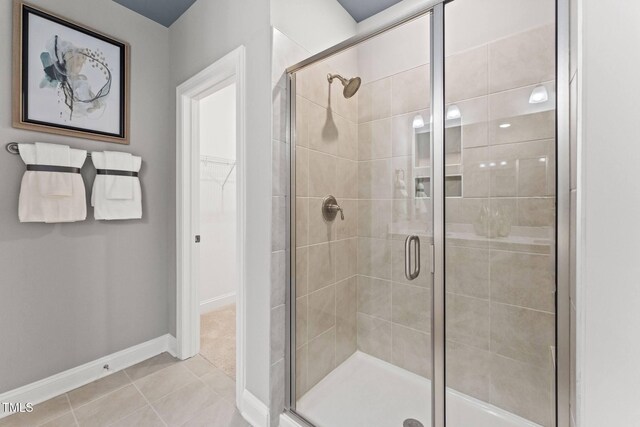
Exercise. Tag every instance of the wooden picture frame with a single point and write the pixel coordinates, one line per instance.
(69, 79)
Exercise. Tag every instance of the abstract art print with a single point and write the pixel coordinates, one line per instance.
(69, 79)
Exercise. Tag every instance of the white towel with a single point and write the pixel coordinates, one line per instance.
(54, 184)
(106, 207)
(44, 196)
(118, 187)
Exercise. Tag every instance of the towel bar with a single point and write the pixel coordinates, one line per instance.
(12, 148)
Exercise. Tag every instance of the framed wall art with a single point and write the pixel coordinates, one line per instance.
(68, 79)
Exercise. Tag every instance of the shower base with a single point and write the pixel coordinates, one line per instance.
(365, 391)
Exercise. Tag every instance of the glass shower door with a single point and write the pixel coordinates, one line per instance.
(362, 294)
(500, 213)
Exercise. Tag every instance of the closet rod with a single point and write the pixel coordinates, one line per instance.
(12, 148)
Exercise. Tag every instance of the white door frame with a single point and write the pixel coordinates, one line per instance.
(227, 70)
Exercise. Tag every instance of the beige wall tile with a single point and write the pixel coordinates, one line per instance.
(302, 121)
(346, 324)
(410, 90)
(347, 179)
(374, 297)
(349, 227)
(467, 271)
(324, 132)
(522, 59)
(302, 172)
(468, 370)
(468, 320)
(523, 279)
(411, 350)
(321, 356)
(322, 174)
(302, 365)
(474, 114)
(346, 258)
(374, 218)
(374, 100)
(302, 270)
(302, 316)
(465, 210)
(322, 311)
(312, 83)
(348, 139)
(374, 257)
(476, 169)
(375, 179)
(467, 74)
(536, 212)
(522, 334)
(374, 336)
(302, 221)
(321, 266)
(374, 139)
(411, 307)
(521, 389)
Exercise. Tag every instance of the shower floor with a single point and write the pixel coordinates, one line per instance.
(365, 391)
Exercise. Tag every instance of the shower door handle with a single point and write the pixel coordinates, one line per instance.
(412, 271)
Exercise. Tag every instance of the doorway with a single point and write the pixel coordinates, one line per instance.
(218, 281)
(210, 218)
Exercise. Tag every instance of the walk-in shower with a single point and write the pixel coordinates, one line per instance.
(426, 231)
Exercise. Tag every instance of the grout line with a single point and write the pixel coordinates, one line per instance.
(146, 400)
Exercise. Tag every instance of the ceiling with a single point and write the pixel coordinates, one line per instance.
(164, 12)
(363, 9)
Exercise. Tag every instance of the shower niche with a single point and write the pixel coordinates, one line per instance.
(421, 154)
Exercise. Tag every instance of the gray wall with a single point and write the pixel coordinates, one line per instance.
(205, 33)
(71, 293)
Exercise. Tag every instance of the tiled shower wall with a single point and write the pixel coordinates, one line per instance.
(326, 253)
(500, 305)
(394, 314)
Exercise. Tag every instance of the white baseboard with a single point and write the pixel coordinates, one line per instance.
(73, 378)
(217, 302)
(253, 410)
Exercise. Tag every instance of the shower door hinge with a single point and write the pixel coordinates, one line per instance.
(197, 238)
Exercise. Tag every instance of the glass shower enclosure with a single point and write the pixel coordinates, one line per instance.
(424, 284)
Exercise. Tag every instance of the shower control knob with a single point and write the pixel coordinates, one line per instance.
(330, 209)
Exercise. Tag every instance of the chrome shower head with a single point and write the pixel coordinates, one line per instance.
(351, 85)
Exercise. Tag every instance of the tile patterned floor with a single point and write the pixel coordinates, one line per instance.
(161, 391)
